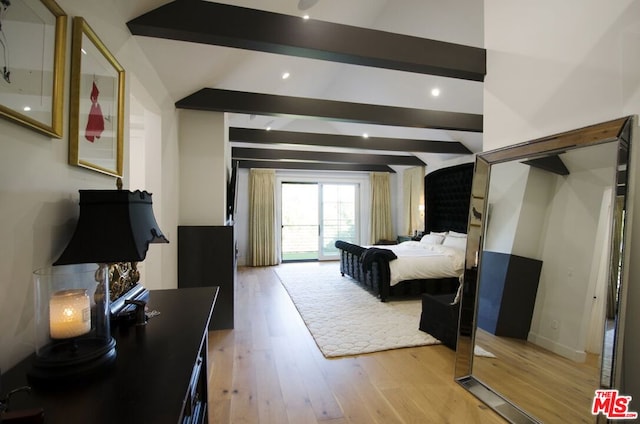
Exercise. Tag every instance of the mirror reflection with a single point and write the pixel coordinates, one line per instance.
(548, 279)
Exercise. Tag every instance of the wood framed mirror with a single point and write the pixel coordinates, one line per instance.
(545, 274)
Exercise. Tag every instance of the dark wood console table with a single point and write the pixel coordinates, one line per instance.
(159, 375)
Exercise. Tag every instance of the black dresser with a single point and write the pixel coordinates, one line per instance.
(159, 375)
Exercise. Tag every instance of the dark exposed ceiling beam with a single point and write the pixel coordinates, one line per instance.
(251, 135)
(211, 99)
(315, 166)
(552, 164)
(232, 26)
(315, 156)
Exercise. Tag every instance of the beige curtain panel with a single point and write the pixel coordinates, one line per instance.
(262, 217)
(381, 228)
(413, 198)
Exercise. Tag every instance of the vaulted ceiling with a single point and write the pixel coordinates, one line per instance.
(355, 67)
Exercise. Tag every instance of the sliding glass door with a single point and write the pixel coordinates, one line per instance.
(300, 221)
(338, 217)
(314, 216)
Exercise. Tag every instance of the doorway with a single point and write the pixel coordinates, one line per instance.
(314, 216)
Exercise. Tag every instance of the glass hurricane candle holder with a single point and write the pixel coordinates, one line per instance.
(72, 329)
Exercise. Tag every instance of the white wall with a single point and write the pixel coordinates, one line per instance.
(507, 186)
(563, 311)
(204, 163)
(145, 156)
(536, 198)
(554, 66)
(39, 190)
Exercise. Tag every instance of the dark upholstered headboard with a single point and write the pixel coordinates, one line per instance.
(447, 193)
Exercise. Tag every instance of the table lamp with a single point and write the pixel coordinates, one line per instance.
(92, 282)
(115, 228)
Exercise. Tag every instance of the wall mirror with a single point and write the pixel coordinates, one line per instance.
(545, 275)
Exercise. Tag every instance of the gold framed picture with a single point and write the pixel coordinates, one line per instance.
(32, 62)
(96, 120)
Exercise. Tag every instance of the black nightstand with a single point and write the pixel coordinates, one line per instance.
(409, 238)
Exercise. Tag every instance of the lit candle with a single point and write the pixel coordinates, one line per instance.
(69, 314)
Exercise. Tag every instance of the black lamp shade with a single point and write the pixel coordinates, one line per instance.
(114, 226)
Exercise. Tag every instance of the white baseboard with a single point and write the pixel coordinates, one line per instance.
(558, 348)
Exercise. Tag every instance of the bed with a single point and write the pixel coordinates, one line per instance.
(381, 269)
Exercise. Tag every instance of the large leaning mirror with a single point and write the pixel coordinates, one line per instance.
(545, 275)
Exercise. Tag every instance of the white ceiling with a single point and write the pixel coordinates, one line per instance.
(187, 67)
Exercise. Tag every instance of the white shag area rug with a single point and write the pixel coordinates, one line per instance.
(478, 351)
(344, 318)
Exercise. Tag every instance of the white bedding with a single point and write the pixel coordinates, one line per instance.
(423, 261)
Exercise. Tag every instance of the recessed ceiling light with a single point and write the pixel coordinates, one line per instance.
(305, 17)
(286, 75)
(435, 92)
(365, 135)
(26, 108)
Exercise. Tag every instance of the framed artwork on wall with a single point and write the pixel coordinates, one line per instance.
(32, 62)
(96, 121)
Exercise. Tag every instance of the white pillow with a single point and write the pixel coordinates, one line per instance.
(455, 242)
(432, 239)
(454, 234)
(443, 234)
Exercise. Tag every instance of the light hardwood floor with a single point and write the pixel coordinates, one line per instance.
(269, 370)
(554, 389)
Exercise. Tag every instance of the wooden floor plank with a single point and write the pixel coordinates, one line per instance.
(403, 402)
(556, 388)
(322, 400)
(221, 353)
(294, 393)
(271, 405)
(244, 402)
(269, 370)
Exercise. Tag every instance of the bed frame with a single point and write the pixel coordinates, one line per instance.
(447, 197)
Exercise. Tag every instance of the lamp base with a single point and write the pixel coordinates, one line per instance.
(72, 360)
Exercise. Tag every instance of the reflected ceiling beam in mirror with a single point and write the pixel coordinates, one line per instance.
(217, 100)
(551, 163)
(314, 166)
(250, 135)
(238, 27)
(329, 157)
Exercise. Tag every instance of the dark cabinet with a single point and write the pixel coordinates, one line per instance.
(207, 257)
(159, 375)
(507, 293)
